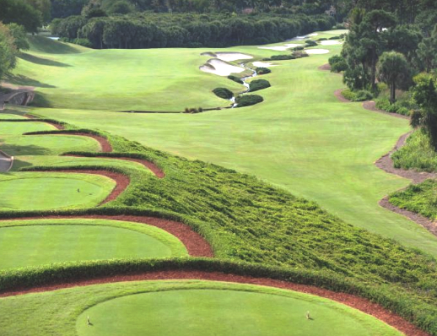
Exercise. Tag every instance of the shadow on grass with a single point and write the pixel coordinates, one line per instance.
(42, 61)
(26, 81)
(15, 150)
(41, 100)
(48, 46)
(18, 164)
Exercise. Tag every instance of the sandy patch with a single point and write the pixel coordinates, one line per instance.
(230, 57)
(263, 64)
(316, 51)
(330, 42)
(220, 68)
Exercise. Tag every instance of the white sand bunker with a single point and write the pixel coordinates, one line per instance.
(232, 56)
(263, 64)
(220, 68)
(283, 47)
(316, 51)
(330, 42)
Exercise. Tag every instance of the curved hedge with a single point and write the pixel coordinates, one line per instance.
(259, 84)
(421, 314)
(263, 71)
(223, 93)
(235, 79)
(248, 100)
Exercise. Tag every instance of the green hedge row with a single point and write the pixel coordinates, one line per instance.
(419, 313)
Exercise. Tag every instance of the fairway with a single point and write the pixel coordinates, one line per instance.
(183, 308)
(47, 190)
(319, 149)
(40, 242)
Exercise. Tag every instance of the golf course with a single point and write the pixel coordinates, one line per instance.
(153, 192)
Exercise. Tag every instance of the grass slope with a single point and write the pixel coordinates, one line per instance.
(182, 308)
(39, 242)
(319, 149)
(46, 191)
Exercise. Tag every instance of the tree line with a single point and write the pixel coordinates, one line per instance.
(392, 43)
(151, 30)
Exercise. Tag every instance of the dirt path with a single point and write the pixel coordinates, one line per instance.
(347, 299)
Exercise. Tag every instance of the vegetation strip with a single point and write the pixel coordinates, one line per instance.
(195, 244)
(350, 300)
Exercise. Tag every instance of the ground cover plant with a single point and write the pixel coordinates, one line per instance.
(223, 93)
(246, 309)
(41, 242)
(248, 100)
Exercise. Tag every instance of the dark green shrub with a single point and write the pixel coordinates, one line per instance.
(384, 104)
(363, 95)
(335, 38)
(281, 57)
(300, 54)
(337, 63)
(322, 39)
(83, 42)
(235, 79)
(263, 71)
(223, 93)
(248, 100)
(310, 43)
(298, 48)
(259, 84)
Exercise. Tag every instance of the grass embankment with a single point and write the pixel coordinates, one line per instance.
(42, 242)
(319, 149)
(183, 308)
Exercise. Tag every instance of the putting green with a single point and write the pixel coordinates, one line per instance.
(182, 307)
(39, 242)
(48, 190)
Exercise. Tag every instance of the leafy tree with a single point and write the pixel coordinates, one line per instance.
(393, 69)
(19, 34)
(425, 94)
(20, 12)
(7, 51)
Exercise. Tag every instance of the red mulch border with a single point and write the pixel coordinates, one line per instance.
(353, 301)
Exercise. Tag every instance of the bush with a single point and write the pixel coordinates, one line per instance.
(83, 42)
(336, 38)
(358, 96)
(259, 84)
(384, 104)
(300, 54)
(263, 71)
(281, 57)
(298, 48)
(322, 39)
(223, 93)
(363, 95)
(248, 100)
(337, 63)
(311, 43)
(235, 79)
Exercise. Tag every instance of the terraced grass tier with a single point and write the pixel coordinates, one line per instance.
(48, 190)
(183, 308)
(39, 242)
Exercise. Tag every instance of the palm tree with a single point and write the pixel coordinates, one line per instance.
(393, 69)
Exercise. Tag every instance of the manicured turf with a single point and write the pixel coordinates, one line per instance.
(39, 242)
(48, 144)
(301, 139)
(182, 308)
(160, 79)
(46, 190)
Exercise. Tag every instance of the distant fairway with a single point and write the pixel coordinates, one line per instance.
(159, 79)
(48, 190)
(183, 308)
(39, 242)
(300, 138)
